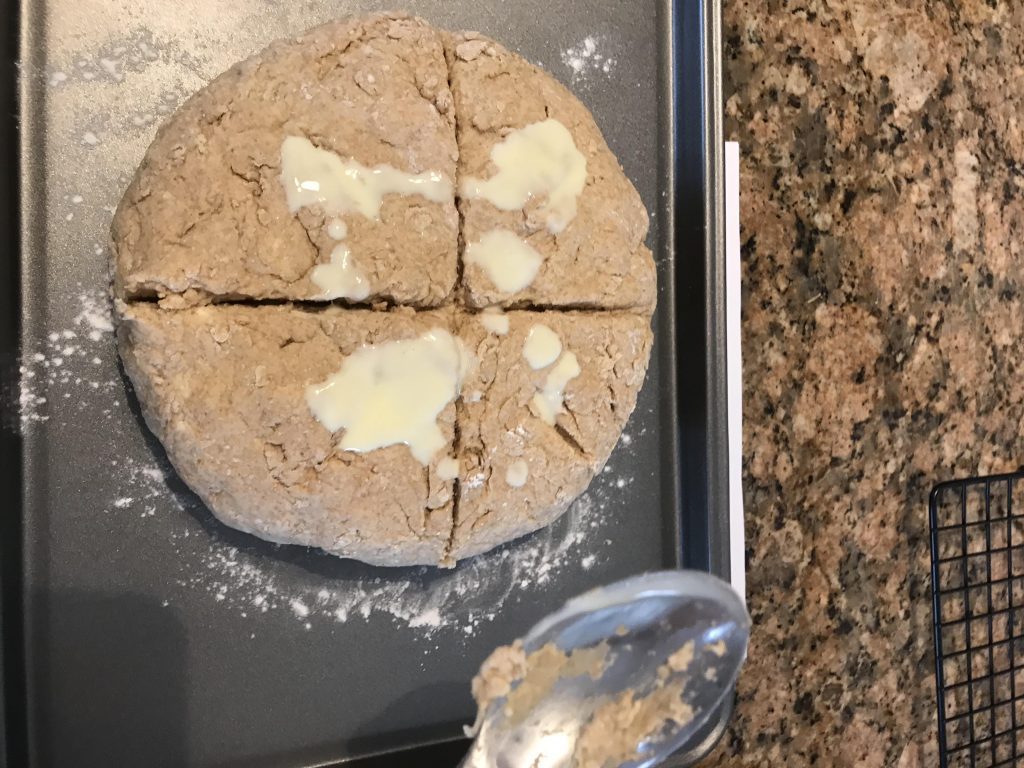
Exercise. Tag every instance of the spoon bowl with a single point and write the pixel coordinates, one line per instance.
(630, 672)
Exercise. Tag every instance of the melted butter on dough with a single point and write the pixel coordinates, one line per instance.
(495, 321)
(542, 347)
(392, 393)
(448, 468)
(538, 160)
(337, 229)
(550, 401)
(509, 262)
(517, 473)
(340, 278)
(314, 176)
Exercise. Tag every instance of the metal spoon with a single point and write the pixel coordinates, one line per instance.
(641, 622)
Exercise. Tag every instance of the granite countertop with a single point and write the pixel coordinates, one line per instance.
(883, 211)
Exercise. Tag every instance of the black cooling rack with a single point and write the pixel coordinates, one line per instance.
(977, 545)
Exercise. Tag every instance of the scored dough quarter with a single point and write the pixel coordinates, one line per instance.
(498, 428)
(204, 218)
(600, 259)
(223, 388)
(209, 261)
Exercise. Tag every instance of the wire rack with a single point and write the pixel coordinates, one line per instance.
(977, 546)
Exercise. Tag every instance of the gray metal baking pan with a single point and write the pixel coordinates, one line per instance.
(139, 631)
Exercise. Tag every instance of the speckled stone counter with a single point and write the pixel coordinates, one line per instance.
(883, 225)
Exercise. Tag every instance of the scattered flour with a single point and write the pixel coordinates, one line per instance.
(65, 362)
(429, 618)
(585, 58)
(252, 577)
(426, 599)
(95, 314)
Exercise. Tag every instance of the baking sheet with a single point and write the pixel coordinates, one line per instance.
(154, 635)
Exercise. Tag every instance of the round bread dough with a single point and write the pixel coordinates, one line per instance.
(222, 329)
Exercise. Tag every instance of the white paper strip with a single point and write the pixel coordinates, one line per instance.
(734, 367)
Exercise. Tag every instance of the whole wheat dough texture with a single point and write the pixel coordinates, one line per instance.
(498, 427)
(205, 218)
(600, 259)
(209, 262)
(223, 387)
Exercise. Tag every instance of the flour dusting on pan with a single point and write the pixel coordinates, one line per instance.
(240, 576)
(588, 57)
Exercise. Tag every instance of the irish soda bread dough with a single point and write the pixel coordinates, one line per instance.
(310, 271)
